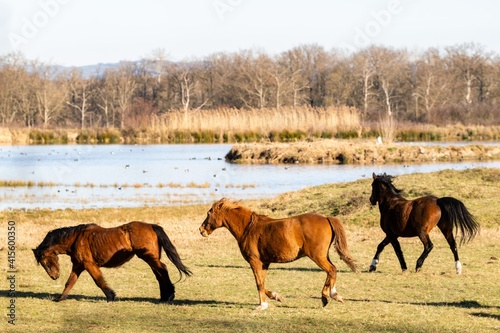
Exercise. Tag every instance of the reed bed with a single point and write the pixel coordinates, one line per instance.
(228, 125)
(259, 123)
(259, 120)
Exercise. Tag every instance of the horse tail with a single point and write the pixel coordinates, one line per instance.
(340, 242)
(454, 210)
(170, 250)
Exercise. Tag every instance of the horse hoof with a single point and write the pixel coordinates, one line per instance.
(168, 299)
(110, 296)
(458, 267)
(262, 306)
(278, 297)
(324, 300)
(337, 297)
(372, 269)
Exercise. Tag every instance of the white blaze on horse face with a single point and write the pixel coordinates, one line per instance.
(458, 267)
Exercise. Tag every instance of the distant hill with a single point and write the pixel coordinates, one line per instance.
(91, 70)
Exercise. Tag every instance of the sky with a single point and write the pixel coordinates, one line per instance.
(88, 32)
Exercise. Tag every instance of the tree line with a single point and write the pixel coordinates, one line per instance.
(459, 83)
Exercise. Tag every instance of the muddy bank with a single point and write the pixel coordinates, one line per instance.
(355, 152)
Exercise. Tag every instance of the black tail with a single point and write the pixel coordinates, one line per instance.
(454, 211)
(170, 250)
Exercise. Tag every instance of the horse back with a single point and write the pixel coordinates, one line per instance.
(111, 247)
(407, 218)
(286, 239)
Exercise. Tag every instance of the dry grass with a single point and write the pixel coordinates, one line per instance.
(221, 294)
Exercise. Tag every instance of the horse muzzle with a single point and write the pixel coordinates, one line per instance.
(54, 275)
(204, 232)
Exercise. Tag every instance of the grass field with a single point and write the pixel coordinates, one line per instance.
(221, 295)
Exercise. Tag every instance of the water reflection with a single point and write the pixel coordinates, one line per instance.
(84, 176)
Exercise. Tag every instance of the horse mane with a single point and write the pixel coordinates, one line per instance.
(387, 179)
(57, 236)
(226, 205)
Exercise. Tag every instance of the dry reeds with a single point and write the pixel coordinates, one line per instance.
(262, 121)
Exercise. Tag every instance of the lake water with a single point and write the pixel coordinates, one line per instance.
(86, 176)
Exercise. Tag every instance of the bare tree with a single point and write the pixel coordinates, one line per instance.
(391, 67)
(467, 61)
(106, 97)
(431, 82)
(79, 90)
(298, 84)
(16, 90)
(50, 93)
(124, 84)
(365, 71)
(253, 72)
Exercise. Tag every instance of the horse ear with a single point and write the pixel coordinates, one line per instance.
(220, 203)
(36, 257)
(374, 176)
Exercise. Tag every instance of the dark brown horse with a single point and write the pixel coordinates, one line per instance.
(91, 247)
(263, 240)
(409, 218)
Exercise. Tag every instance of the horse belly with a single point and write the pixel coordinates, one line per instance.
(117, 259)
(282, 254)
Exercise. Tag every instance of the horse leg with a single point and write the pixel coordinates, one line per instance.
(259, 272)
(271, 294)
(380, 248)
(329, 289)
(96, 275)
(448, 234)
(399, 253)
(167, 289)
(76, 270)
(426, 240)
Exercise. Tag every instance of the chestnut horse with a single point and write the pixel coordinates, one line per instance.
(91, 247)
(263, 240)
(409, 218)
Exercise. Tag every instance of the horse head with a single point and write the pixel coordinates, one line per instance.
(49, 261)
(214, 219)
(382, 184)
(374, 197)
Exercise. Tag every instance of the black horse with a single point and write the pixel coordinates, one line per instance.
(409, 218)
